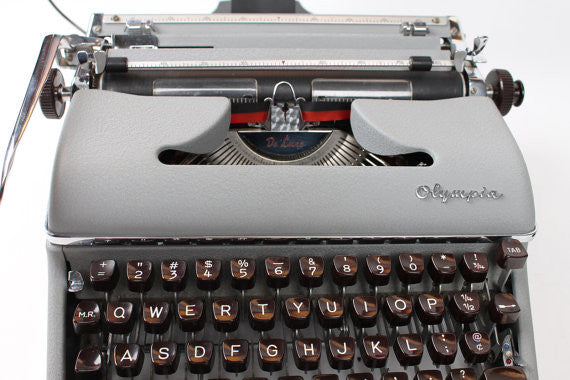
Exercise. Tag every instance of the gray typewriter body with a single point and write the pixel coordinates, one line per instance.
(135, 96)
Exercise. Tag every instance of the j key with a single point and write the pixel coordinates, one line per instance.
(375, 351)
(395, 376)
(271, 353)
(128, 359)
(340, 352)
(442, 348)
(378, 270)
(277, 271)
(243, 273)
(87, 318)
(364, 311)
(503, 373)
(156, 317)
(462, 374)
(234, 353)
(262, 314)
(226, 315)
(120, 317)
(330, 311)
(410, 268)
(173, 273)
(345, 269)
(208, 272)
(398, 309)
(465, 307)
(307, 353)
(475, 346)
(191, 314)
(88, 363)
(200, 356)
(164, 357)
(430, 308)
(359, 376)
(297, 311)
(311, 271)
(103, 275)
(511, 254)
(409, 349)
(504, 309)
(442, 268)
(474, 266)
(430, 374)
(139, 275)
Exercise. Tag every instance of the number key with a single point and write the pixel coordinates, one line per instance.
(103, 275)
(208, 273)
(378, 270)
(410, 268)
(173, 273)
(442, 268)
(277, 271)
(243, 273)
(312, 269)
(474, 266)
(344, 270)
(139, 275)
(465, 307)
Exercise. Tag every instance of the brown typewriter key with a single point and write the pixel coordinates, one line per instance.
(208, 273)
(410, 268)
(128, 359)
(88, 363)
(364, 311)
(474, 266)
(226, 314)
(139, 275)
(120, 317)
(191, 314)
(243, 273)
(103, 275)
(307, 353)
(378, 270)
(156, 317)
(374, 351)
(503, 373)
(262, 314)
(511, 254)
(409, 349)
(475, 346)
(462, 374)
(277, 271)
(87, 318)
(235, 354)
(430, 308)
(325, 377)
(200, 356)
(345, 269)
(442, 348)
(465, 307)
(173, 274)
(395, 376)
(340, 352)
(398, 309)
(311, 271)
(359, 376)
(330, 311)
(504, 309)
(271, 353)
(164, 357)
(290, 378)
(442, 268)
(429, 374)
(297, 311)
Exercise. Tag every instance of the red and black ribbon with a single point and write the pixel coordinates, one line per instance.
(243, 113)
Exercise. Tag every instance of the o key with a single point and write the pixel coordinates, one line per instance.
(243, 273)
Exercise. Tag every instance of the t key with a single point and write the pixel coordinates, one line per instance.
(344, 270)
(208, 273)
(103, 275)
(410, 268)
(243, 273)
(262, 314)
(139, 275)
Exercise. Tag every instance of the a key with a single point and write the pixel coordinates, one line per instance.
(243, 273)
(262, 314)
(277, 271)
(465, 307)
(156, 317)
(340, 352)
(128, 359)
(442, 348)
(398, 309)
(345, 269)
(475, 346)
(235, 355)
(164, 357)
(430, 374)
(311, 271)
(503, 373)
(271, 353)
(191, 314)
(120, 317)
(87, 318)
(226, 314)
(208, 274)
(410, 268)
(395, 376)
(409, 349)
(375, 351)
(462, 374)
(364, 311)
(307, 353)
(103, 275)
(200, 356)
(430, 308)
(173, 274)
(511, 254)
(359, 376)
(378, 270)
(504, 309)
(89, 363)
(139, 275)
(330, 311)
(442, 268)
(474, 266)
(297, 311)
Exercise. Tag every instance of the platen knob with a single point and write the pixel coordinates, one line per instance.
(52, 102)
(506, 92)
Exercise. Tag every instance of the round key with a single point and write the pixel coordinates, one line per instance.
(191, 314)
(345, 269)
(474, 266)
(364, 311)
(410, 268)
(139, 275)
(208, 274)
(475, 346)
(277, 271)
(103, 275)
(409, 349)
(87, 318)
(511, 254)
(311, 271)
(375, 351)
(235, 355)
(430, 308)
(307, 353)
(442, 348)
(504, 309)
(200, 356)
(173, 274)
(442, 268)
(503, 373)
(128, 359)
(330, 311)
(243, 273)
(465, 307)
(271, 353)
(164, 357)
(398, 309)
(378, 270)
(297, 311)
(120, 317)
(340, 352)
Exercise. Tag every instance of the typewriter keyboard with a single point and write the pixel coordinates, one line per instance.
(295, 311)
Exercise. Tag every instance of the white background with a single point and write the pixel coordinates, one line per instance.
(529, 38)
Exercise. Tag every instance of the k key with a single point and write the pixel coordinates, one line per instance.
(375, 350)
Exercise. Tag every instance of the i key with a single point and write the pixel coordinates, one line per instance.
(442, 268)
(86, 318)
(120, 318)
(128, 359)
(226, 314)
(208, 272)
(277, 271)
(173, 273)
(235, 353)
(474, 267)
(156, 317)
(364, 311)
(103, 275)
(345, 269)
(200, 356)
(297, 311)
(139, 275)
(243, 273)
(164, 357)
(271, 353)
(378, 270)
(311, 271)
(410, 268)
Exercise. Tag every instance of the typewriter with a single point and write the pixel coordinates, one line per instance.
(250, 195)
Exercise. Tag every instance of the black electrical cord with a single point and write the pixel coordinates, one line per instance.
(67, 18)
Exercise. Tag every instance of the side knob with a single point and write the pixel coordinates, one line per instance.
(506, 92)
(52, 102)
